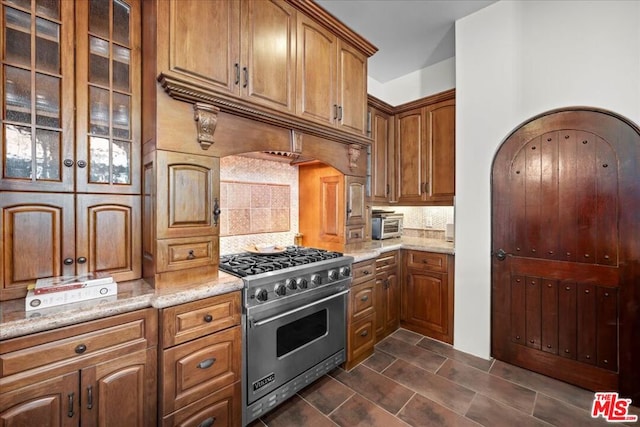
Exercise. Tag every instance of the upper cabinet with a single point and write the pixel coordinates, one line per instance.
(246, 49)
(332, 78)
(413, 151)
(71, 152)
(381, 126)
(284, 61)
(45, 46)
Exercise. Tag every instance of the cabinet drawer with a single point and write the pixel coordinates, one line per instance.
(427, 260)
(362, 298)
(124, 333)
(355, 233)
(195, 369)
(196, 319)
(188, 252)
(221, 408)
(387, 261)
(362, 335)
(363, 271)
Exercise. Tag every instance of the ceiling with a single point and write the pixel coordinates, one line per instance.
(410, 34)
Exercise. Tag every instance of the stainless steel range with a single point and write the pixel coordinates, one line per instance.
(294, 320)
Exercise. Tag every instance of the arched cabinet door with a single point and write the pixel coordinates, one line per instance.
(38, 239)
(565, 199)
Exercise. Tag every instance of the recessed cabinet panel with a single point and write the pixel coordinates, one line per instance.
(411, 155)
(109, 235)
(269, 48)
(188, 189)
(316, 93)
(352, 89)
(355, 200)
(441, 120)
(218, 24)
(49, 219)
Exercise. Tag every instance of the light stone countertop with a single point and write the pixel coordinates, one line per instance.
(132, 295)
(370, 250)
(138, 294)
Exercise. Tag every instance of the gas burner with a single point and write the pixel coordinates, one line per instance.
(249, 264)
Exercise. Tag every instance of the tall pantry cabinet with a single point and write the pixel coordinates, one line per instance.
(69, 175)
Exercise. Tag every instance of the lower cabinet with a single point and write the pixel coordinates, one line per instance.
(99, 373)
(200, 363)
(387, 306)
(427, 294)
(361, 329)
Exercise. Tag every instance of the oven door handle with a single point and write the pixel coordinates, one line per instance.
(295, 310)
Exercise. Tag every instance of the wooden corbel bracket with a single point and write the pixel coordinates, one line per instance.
(206, 117)
(354, 155)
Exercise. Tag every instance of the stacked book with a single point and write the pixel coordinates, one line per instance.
(54, 291)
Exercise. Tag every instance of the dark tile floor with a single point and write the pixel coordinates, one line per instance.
(417, 381)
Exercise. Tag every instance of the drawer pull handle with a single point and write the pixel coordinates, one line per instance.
(89, 397)
(70, 412)
(364, 298)
(366, 272)
(208, 318)
(364, 333)
(191, 255)
(80, 348)
(207, 363)
(208, 422)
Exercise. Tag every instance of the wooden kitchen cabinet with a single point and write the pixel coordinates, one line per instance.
(51, 234)
(99, 373)
(332, 78)
(387, 303)
(381, 127)
(361, 315)
(181, 219)
(427, 294)
(71, 125)
(425, 150)
(336, 207)
(246, 48)
(200, 364)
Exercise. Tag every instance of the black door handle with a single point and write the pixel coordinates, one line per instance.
(501, 254)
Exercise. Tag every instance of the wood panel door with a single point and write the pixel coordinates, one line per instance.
(441, 128)
(38, 239)
(269, 53)
(352, 89)
(108, 235)
(381, 156)
(356, 204)
(411, 156)
(565, 199)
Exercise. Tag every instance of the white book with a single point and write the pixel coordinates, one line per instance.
(52, 299)
(65, 283)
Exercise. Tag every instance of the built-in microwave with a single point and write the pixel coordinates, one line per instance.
(386, 225)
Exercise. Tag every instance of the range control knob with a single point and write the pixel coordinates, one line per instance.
(316, 280)
(280, 290)
(345, 271)
(292, 284)
(262, 295)
(302, 283)
(333, 274)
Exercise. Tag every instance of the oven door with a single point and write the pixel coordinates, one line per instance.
(282, 344)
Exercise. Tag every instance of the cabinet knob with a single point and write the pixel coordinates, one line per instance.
(191, 254)
(364, 333)
(82, 164)
(80, 348)
(208, 318)
(207, 363)
(68, 163)
(68, 261)
(208, 422)
(364, 298)
(81, 260)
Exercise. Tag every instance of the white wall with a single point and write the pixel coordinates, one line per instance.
(515, 60)
(427, 81)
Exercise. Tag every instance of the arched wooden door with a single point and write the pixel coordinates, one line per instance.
(566, 250)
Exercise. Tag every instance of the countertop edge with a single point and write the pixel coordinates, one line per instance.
(416, 244)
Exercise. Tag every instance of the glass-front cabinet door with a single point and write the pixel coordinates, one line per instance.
(108, 96)
(37, 95)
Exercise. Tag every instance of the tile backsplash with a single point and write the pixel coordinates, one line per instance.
(259, 203)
